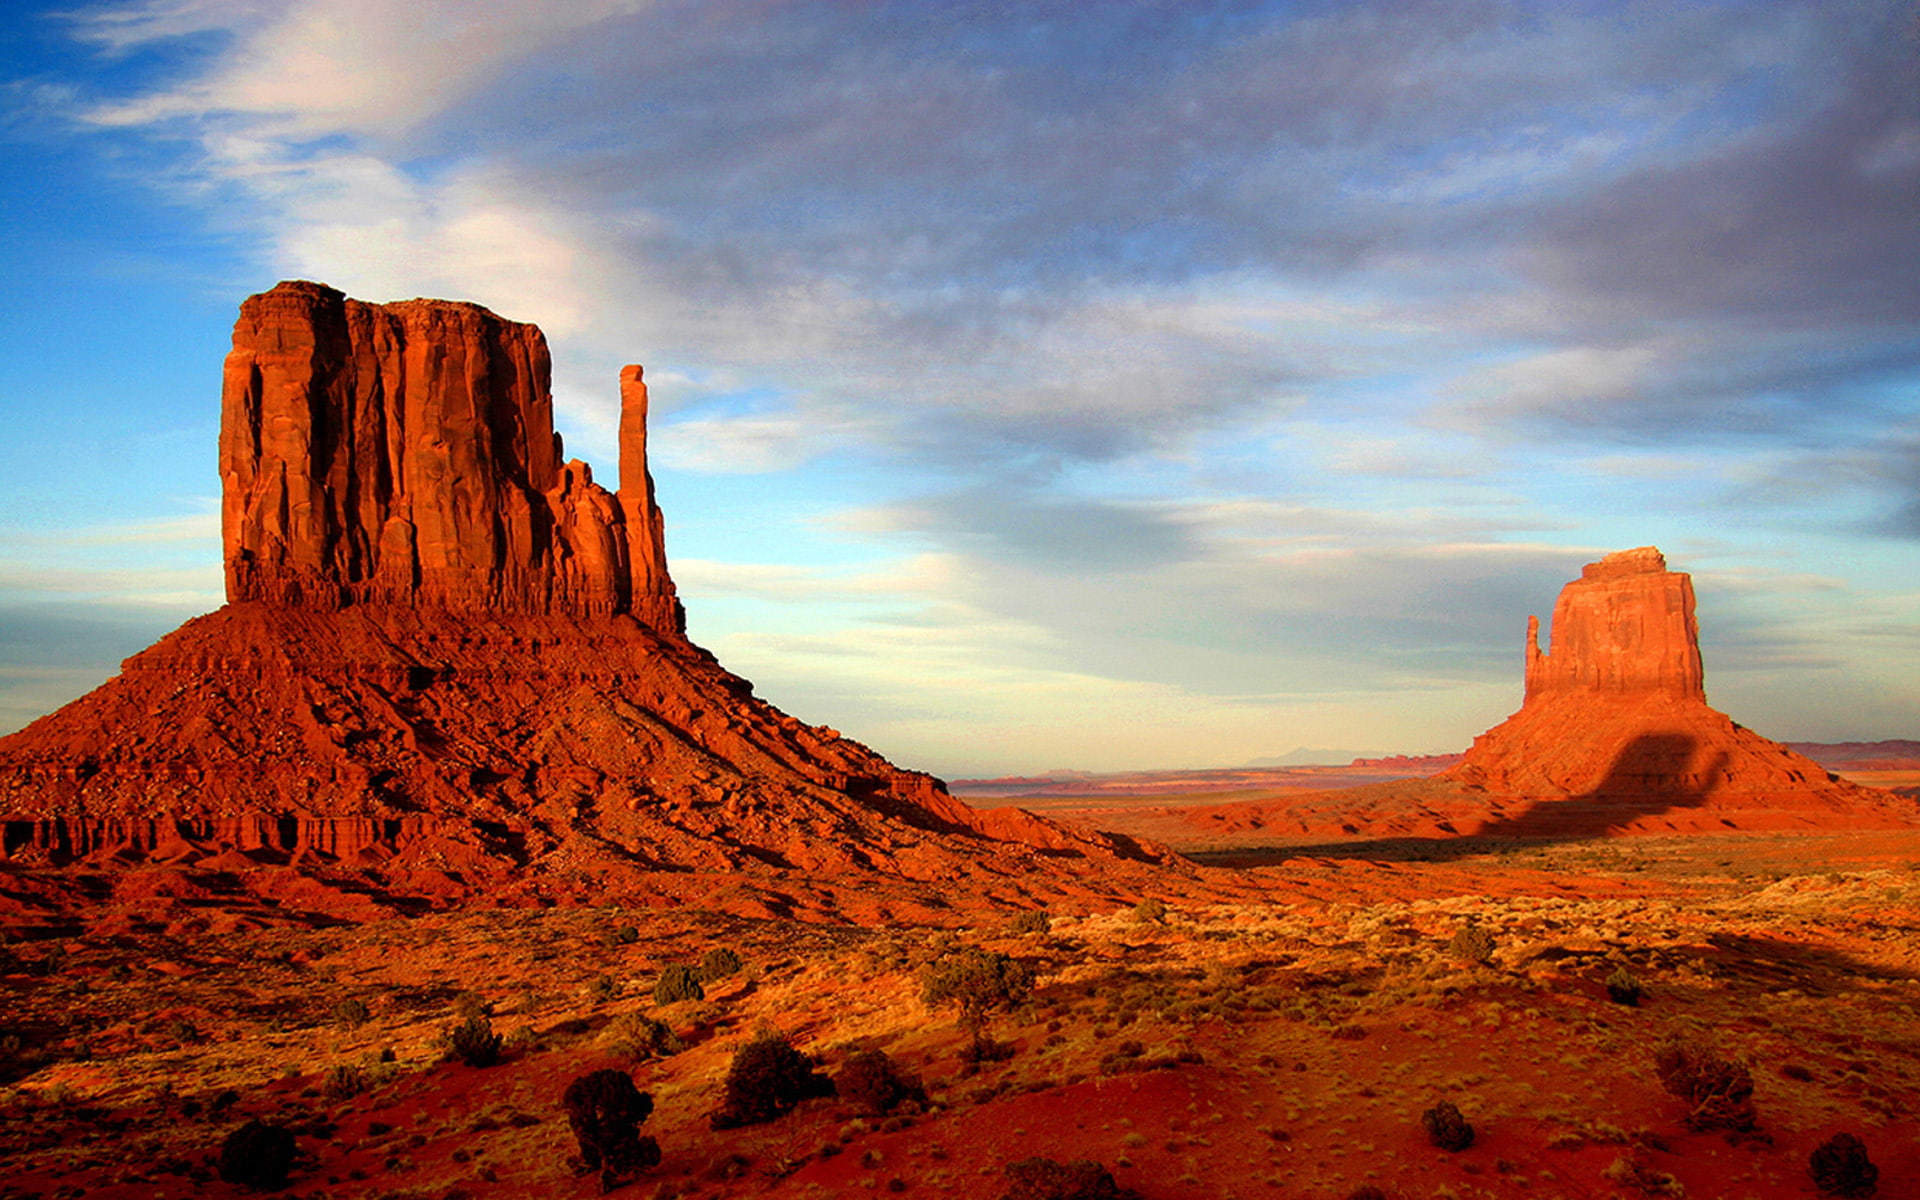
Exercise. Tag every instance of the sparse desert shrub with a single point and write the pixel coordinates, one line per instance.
(766, 1079)
(344, 1082)
(1034, 920)
(468, 1005)
(257, 1155)
(1471, 945)
(1446, 1128)
(474, 1042)
(1721, 1092)
(626, 935)
(1148, 912)
(1623, 988)
(639, 1037)
(1840, 1167)
(1044, 1179)
(1631, 1172)
(678, 982)
(978, 983)
(875, 1084)
(351, 1013)
(605, 1110)
(602, 988)
(719, 963)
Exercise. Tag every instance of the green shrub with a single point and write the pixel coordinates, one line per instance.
(875, 1084)
(977, 983)
(626, 935)
(257, 1155)
(678, 982)
(1720, 1092)
(766, 1079)
(605, 1111)
(1446, 1128)
(468, 1005)
(1472, 945)
(638, 1037)
(1034, 920)
(351, 1013)
(344, 1082)
(1623, 988)
(474, 1042)
(602, 988)
(1149, 912)
(1840, 1167)
(719, 963)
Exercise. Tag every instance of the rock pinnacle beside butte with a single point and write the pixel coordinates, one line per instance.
(451, 660)
(1615, 727)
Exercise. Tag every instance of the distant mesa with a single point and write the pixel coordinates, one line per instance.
(452, 661)
(1616, 708)
(1614, 735)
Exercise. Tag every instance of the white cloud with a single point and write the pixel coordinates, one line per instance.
(319, 67)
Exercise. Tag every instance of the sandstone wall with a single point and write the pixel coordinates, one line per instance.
(405, 453)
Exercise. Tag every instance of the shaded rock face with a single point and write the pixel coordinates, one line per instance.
(448, 654)
(1626, 626)
(405, 453)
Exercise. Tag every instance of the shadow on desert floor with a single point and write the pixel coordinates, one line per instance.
(1647, 779)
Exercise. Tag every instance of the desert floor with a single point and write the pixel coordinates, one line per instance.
(1280, 1045)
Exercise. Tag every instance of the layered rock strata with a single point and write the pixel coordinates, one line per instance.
(447, 648)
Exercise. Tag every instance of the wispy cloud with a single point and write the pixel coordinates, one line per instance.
(1263, 350)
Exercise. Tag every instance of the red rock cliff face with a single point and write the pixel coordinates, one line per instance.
(405, 453)
(1617, 709)
(1626, 626)
(450, 655)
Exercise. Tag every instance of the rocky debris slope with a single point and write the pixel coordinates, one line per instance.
(447, 652)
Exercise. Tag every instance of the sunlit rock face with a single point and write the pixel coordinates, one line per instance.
(405, 453)
(1625, 627)
(1617, 706)
(445, 646)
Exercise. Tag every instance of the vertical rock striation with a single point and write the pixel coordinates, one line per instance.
(1626, 627)
(405, 453)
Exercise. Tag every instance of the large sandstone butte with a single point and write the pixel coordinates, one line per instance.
(1614, 735)
(450, 659)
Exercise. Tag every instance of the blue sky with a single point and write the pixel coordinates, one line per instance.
(1100, 386)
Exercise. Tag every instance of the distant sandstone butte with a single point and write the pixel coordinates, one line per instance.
(405, 453)
(1614, 736)
(448, 655)
(1616, 710)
